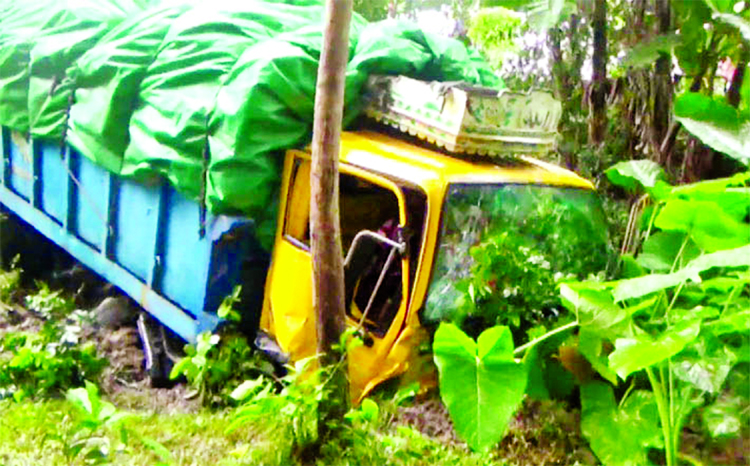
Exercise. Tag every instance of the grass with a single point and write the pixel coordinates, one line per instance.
(200, 439)
(192, 439)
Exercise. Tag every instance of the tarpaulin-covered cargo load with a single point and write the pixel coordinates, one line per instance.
(207, 94)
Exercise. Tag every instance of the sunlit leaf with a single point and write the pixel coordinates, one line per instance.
(637, 353)
(619, 436)
(480, 383)
(247, 388)
(636, 173)
(706, 222)
(715, 123)
(737, 322)
(641, 286)
(704, 364)
(596, 309)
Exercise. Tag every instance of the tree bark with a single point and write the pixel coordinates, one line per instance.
(598, 97)
(327, 255)
(662, 83)
(733, 94)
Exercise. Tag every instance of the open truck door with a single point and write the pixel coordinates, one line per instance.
(373, 214)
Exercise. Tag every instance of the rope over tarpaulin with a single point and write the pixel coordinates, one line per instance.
(153, 83)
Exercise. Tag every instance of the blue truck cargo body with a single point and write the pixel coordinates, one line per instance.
(162, 249)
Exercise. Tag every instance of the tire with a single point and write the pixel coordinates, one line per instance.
(156, 361)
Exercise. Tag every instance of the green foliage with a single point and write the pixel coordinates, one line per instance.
(494, 30)
(372, 10)
(636, 174)
(716, 123)
(620, 434)
(503, 251)
(647, 52)
(542, 14)
(217, 363)
(49, 304)
(226, 308)
(480, 382)
(292, 413)
(686, 329)
(86, 438)
(47, 362)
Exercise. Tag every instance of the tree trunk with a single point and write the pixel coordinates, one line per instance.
(598, 96)
(733, 94)
(327, 256)
(662, 84)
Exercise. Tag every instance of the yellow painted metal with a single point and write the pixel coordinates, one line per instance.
(287, 312)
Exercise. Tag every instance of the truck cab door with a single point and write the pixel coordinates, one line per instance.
(372, 209)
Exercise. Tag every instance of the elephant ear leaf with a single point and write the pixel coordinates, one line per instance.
(619, 435)
(480, 382)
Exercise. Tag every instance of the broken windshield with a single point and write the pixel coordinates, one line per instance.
(502, 249)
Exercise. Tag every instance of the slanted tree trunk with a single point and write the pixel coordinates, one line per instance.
(328, 267)
(598, 95)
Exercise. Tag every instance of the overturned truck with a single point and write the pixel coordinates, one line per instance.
(163, 146)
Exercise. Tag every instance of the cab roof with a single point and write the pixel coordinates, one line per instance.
(426, 167)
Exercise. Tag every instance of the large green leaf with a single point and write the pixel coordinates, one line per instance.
(641, 286)
(635, 174)
(637, 353)
(591, 346)
(715, 123)
(619, 435)
(737, 322)
(597, 312)
(480, 383)
(705, 364)
(708, 225)
(661, 248)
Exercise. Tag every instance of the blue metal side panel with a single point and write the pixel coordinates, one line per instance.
(186, 254)
(232, 243)
(54, 178)
(135, 228)
(20, 169)
(90, 201)
(144, 239)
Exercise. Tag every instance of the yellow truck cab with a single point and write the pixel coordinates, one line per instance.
(394, 196)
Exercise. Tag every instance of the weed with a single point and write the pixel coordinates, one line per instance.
(46, 362)
(49, 304)
(86, 438)
(217, 363)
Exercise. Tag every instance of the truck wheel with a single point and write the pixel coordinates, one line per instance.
(157, 363)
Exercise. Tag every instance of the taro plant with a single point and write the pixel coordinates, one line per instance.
(681, 326)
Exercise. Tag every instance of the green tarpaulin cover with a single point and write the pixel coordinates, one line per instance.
(205, 93)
